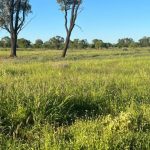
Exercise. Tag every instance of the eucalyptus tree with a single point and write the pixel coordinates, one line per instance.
(72, 6)
(13, 15)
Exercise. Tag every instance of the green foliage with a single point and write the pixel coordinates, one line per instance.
(5, 15)
(101, 101)
(99, 44)
(38, 43)
(126, 42)
(144, 42)
(56, 42)
(5, 42)
(23, 43)
(66, 4)
(79, 44)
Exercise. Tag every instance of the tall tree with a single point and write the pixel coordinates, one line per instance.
(12, 18)
(73, 7)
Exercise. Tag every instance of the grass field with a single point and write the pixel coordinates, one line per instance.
(92, 100)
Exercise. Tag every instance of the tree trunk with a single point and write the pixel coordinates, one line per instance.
(13, 45)
(66, 43)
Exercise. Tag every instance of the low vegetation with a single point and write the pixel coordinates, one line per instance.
(58, 43)
(91, 100)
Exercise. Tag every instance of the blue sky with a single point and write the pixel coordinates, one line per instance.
(108, 20)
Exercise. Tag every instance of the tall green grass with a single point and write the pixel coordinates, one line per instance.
(90, 100)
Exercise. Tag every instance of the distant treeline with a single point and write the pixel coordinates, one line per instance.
(57, 42)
